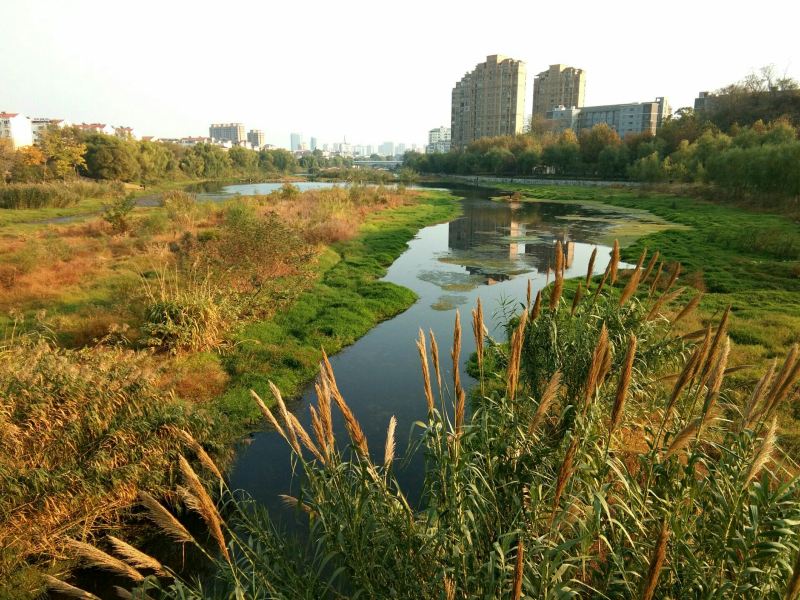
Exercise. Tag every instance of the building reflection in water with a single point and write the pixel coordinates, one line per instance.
(486, 237)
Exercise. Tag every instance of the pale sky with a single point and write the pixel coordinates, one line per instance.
(371, 71)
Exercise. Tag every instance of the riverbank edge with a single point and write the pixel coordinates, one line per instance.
(345, 302)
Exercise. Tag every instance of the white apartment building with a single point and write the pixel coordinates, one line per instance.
(438, 140)
(17, 128)
(40, 124)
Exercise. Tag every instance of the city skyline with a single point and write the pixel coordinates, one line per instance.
(84, 68)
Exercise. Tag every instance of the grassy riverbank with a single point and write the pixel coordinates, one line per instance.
(118, 340)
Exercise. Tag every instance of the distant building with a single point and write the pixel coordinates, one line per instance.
(386, 149)
(96, 128)
(125, 133)
(438, 140)
(17, 128)
(705, 101)
(227, 132)
(256, 138)
(488, 101)
(625, 119)
(400, 150)
(560, 85)
(313, 144)
(41, 124)
(296, 141)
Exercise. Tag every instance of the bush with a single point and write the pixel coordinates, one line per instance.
(181, 208)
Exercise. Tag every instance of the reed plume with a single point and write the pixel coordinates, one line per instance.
(784, 381)
(656, 280)
(656, 562)
(558, 284)
(202, 504)
(351, 423)
(596, 367)
(294, 503)
(291, 436)
(622, 386)
(65, 589)
(602, 283)
(435, 357)
(537, 306)
(460, 397)
(576, 299)
(268, 414)
(515, 356)
(673, 276)
(97, 558)
(519, 569)
(324, 412)
(650, 265)
(564, 473)
(528, 297)
(303, 436)
(478, 329)
(633, 283)
(613, 265)
(388, 452)
(590, 268)
(201, 454)
(684, 437)
(549, 394)
(136, 558)
(426, 375)
(689, 308)
(764, 453)
(664, 299)
(165, 520)
(752, 408)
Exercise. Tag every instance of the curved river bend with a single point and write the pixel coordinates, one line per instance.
(490, 252)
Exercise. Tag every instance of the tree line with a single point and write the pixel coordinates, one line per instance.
(745, 140)
(68, 153)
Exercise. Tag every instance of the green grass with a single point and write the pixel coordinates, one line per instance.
(343, 305)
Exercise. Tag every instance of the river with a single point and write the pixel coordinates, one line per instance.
(490, 252)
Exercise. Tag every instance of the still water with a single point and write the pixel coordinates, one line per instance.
(216, 191)
(490, 252)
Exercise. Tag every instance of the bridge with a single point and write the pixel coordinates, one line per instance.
(378, 164)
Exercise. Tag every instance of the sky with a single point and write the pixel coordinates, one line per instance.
(364, 71)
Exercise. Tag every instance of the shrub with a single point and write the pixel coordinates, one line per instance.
(117, 213)
(181, 208)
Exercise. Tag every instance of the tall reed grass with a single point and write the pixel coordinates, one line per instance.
(55, 195)
(618, 478)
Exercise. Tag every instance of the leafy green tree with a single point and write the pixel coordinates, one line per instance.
(154, 161)
(111, 158)
(243, 160)
(593, 141)
(64, 150)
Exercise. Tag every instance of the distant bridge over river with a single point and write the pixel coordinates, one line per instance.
(378, 164)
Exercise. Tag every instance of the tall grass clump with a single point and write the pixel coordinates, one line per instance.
(639, 474)
(81, 432)
(55, 195)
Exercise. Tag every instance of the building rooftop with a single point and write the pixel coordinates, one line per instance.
(5, 115)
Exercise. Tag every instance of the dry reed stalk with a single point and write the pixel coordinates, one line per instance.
(515, 356)
(595, 368)
(201, 454)
(291, 436)
(204, 505)
(689, 308)
(684, 437)
(319, 433)
(622, 386)
(558, 285)
(656, 280)
(426, 374)
(528, 297)
(449, 588)
(656, 562)
(602, 283)
(650, 265)
(784, 381)
(564, 473)
(478, 329)
(759, 393)
(351, 423)
(632, 284)
(664, 299)
(268, 414)
(590, 268)
(460, 398)
(519, 569)
(614, 262)
(388, 451)
(435, 357)
(324, 405)
(793, 586)
(302, 434)
(537, 306)
(165, 520)
(136, 558)
(576, 299)
(673, 276)
(715, 348)
(549, 394)
(65, 589)
(717, 377)
(97, 558)
(764, 453)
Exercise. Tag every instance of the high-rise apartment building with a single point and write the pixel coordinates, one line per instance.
(227, 132)
(438, 140)
(256, 138)
(296, 140)
(488, 101)
(560, 85)
(312, 144)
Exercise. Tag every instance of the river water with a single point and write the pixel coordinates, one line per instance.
(490, 252)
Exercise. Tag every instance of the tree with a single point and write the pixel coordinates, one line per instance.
(64, 150)
(109, 157)
(594, 140)
(154, 161)
(6, 159)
